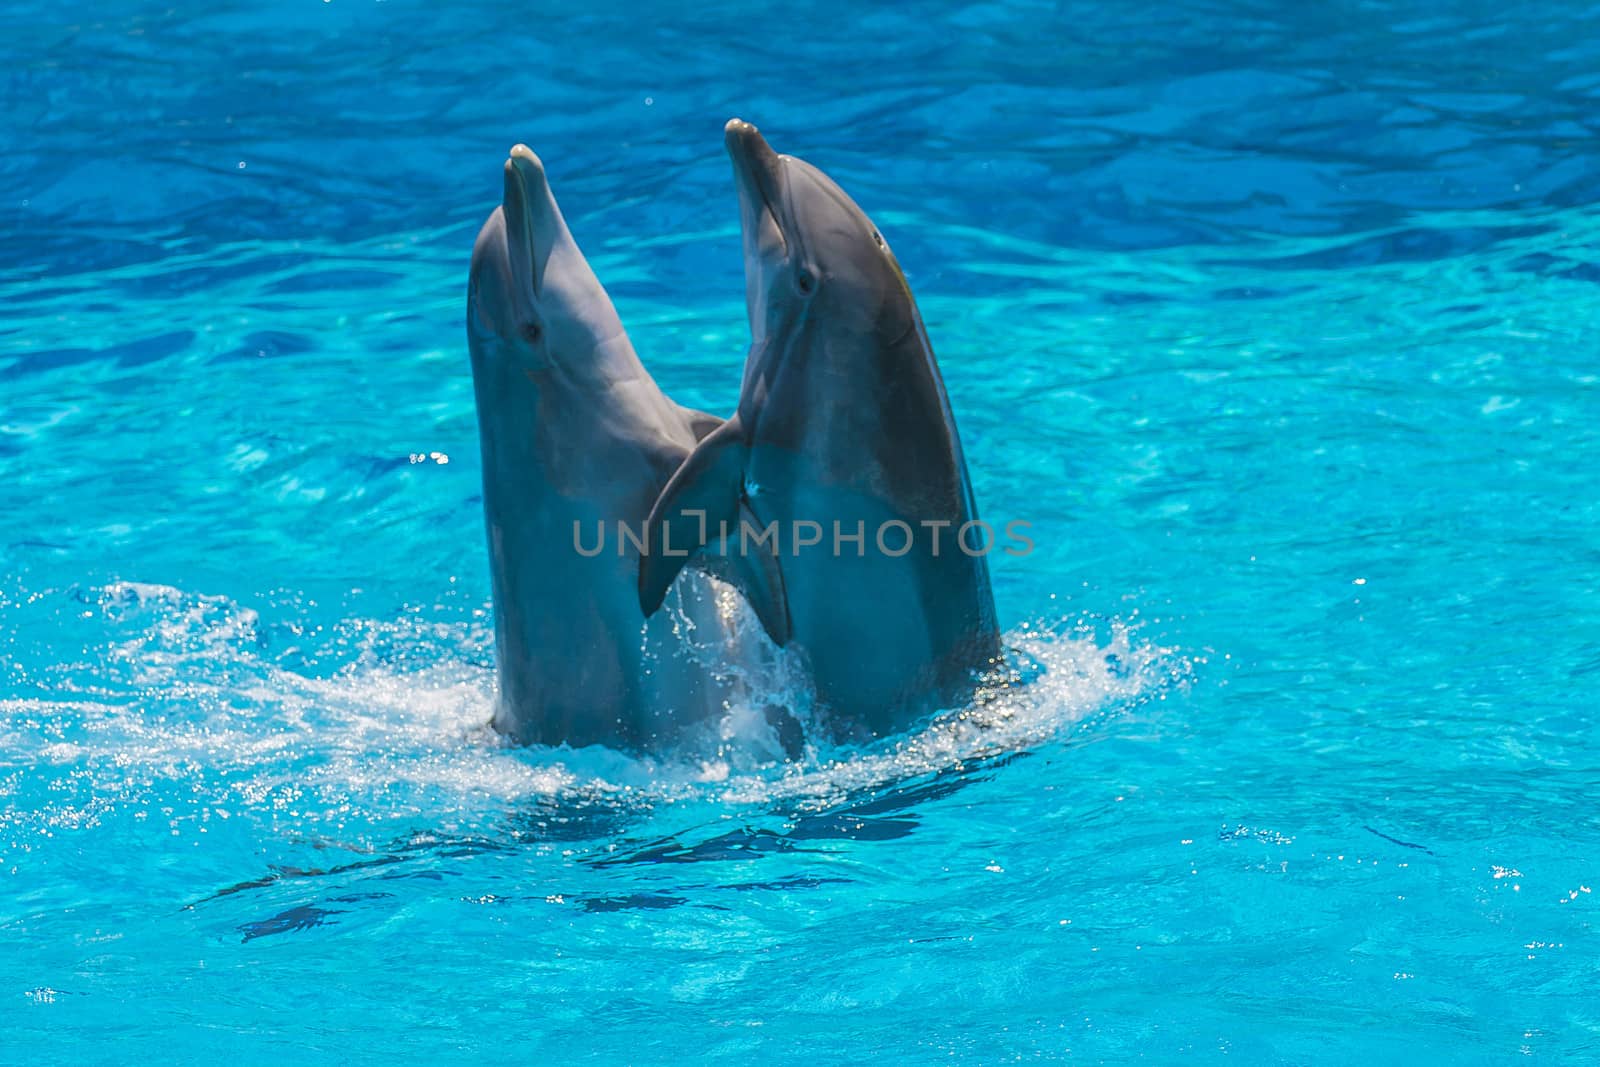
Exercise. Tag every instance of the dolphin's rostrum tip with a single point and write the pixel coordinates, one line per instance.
(746, 145)
(739, 133)
(523, 159)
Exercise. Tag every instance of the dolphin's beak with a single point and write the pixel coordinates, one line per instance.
(753, 159)
(527, 191)
(758, 172)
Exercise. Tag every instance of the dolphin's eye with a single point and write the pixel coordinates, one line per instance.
(532, 332)
(877, 239)
(805, 282)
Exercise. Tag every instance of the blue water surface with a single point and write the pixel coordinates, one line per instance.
(1279, 323)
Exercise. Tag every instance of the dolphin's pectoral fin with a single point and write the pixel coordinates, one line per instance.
(746, 558)
(702, 515)
(700, 423)
(701, 498)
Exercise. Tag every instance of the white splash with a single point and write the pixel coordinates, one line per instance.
(184, 695)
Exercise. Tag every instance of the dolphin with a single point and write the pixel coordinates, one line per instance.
(843, 422)
(577, 437)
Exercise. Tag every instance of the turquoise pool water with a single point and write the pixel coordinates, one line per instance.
(1279, 325)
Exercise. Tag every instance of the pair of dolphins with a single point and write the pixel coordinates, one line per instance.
(842, 419)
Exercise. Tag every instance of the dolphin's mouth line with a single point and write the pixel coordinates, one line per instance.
(774, 188)
(769, 202)
(761, 168)
(517, 206)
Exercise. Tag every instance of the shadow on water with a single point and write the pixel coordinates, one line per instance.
(873, 816)
(304, 917)
(592, 815)
(868, 816)
(428, 845)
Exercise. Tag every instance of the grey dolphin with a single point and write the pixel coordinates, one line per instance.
(842, 418)
(575, 435)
